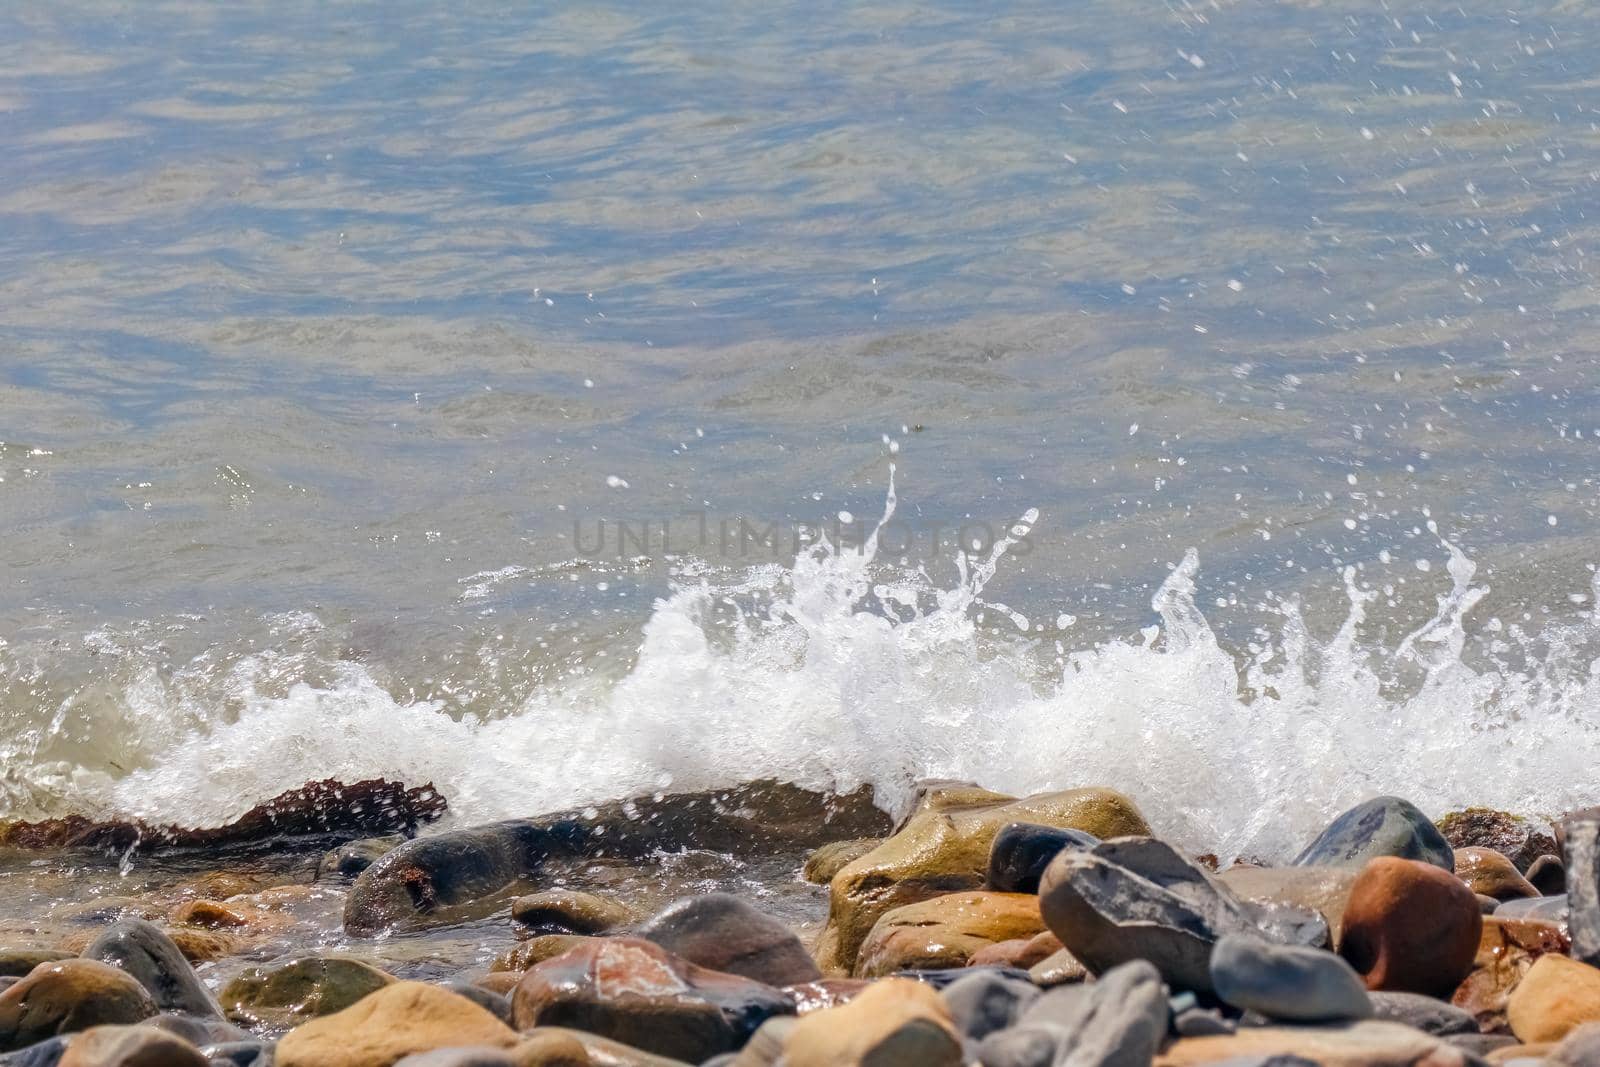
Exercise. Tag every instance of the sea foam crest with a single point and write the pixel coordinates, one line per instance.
(841, 670)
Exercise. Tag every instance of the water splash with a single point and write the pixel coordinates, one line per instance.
(843, 670)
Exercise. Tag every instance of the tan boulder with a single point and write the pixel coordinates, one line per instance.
(1557, 995)
(1369, 1043)
(1490, 874)
(64, 996)
(944, 848)
(897, 1020)
(395, 1021)
(130, 1046)
(946, 931)
(830, 859)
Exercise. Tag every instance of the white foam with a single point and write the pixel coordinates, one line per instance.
(848, 672)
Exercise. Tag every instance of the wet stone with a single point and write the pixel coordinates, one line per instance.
(1022, 850)
(1383, 826)
(149, 955)
(724, 933)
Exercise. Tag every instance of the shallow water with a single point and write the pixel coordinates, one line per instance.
(440, 395)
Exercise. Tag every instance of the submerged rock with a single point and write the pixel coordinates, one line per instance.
(66, 996)
(636, 992)
(1287, 983)
(465, 874)
(1382, 826)
(1137, 898)
(566, 911)
(721, 932)
(946, 931)
(308, 986)
(1411, 927)
(353, 857)
(151, 957)
(943, 848)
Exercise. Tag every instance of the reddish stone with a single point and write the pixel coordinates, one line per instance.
(636, 992)
(1411, 927)
(1506, 950)
(1021, 952)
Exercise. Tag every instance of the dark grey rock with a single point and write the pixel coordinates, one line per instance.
(142, 950)
(723, 932)
(1287, 982)
(353, 857)
(1138, 898)
(1550, 909)
(1481, 1045)
(765, 1046)
(1119, 1021)
(1428, 1014)
(985, 1002)
(447, 877)
(1581, 857)
(1022, 850)
(1382, 826)
(485, 998)
(1201, 1022)
(1548, 875)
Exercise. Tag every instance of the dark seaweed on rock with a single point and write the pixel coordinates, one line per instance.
(322, 808)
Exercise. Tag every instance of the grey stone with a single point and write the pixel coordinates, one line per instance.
(1201, 1022)
(1119, 1021)
(1022, 850)
(485, 998)
(1382, 826)
(1550, 909)
(1580, 1048)
(45, 1053)
(1287, 982)
(1428, 1014)
(1137, 898)
(985, 1002)
(1581, 857)
(723, 932)
(1480, 1045)
(142, 950)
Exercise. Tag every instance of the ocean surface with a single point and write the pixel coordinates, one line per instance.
(561, 402)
